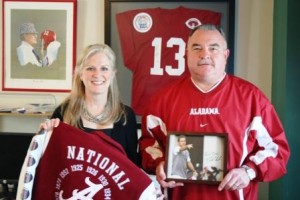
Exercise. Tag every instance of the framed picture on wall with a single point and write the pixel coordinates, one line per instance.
(39, 45)
(196, 157)
(149, 39)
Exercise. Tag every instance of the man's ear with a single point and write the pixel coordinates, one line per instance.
(226, 53)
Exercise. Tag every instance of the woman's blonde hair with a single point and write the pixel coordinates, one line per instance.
(74, 103)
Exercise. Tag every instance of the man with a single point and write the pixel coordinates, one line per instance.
(182, 160)
(212, 101)
(26, 53)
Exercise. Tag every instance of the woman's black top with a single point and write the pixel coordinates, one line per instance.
(126, 135)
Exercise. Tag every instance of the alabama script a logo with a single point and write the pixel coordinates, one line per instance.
(85, 194)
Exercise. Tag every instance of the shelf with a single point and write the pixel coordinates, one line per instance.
(26, 104)
(46, 114)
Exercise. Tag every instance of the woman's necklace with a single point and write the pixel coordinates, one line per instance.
(91, 118)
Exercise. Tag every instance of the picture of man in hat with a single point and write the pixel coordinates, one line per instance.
(25, 52)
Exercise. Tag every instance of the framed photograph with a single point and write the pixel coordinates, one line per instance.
(39, 45)
(196, 157)
(143, 59)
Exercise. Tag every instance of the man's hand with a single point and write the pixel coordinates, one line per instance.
(161, 177)
(235, 179)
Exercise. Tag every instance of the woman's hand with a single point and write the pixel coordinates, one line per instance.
(49, 124)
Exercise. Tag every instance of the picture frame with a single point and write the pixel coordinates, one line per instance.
(125, 76)
(49, 67)
(196, 157)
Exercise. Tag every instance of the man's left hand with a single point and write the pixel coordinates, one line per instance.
(235, 179)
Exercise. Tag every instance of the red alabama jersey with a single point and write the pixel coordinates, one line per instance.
(235, 107)
(153, 43)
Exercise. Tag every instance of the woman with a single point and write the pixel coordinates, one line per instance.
(94, 102)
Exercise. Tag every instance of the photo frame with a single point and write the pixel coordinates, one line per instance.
(125, 76)
(196, 157)
(39, 45)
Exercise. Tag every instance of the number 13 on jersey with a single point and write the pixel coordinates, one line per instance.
(178, 70)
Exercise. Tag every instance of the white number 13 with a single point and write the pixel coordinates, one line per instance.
(179, 56)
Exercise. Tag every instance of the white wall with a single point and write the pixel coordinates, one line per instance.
(253, 53)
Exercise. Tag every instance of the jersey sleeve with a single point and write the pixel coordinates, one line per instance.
(35, 152)
(153, 141)
(271, 152)
(124, 21)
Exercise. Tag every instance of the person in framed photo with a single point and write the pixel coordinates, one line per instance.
(210, 173)
(26, 51)
(182, 162)
(211, 101)
(49, 46)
